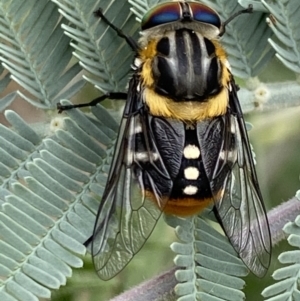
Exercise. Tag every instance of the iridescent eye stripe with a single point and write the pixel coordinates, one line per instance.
(162, 14)
(202, 13)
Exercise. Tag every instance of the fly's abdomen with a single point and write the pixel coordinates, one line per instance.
(186, 67)
(186, 191)
(191, 190)
(191, 180)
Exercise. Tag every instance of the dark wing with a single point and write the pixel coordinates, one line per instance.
(229, 165)
(127, 216)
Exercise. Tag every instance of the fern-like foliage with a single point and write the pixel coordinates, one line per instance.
(286, 28)
(36, 52)
(209, 267)
(287, 285)
(50, 188)
(52, 177)
(98, 48)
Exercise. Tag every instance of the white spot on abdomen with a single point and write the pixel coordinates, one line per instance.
(190, 190)
(191, 152)
(191, 173)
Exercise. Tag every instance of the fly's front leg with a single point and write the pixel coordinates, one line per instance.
(109, 95)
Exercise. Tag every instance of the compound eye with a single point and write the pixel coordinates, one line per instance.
(180, 11)
(162, 14)
(205, 14)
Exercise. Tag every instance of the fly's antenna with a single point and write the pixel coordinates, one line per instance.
(130, 41)
(248, 10)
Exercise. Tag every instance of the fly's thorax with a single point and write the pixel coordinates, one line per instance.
(187, 111)
(184, 75)
(184, 66)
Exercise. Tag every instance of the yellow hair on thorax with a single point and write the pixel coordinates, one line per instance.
(186, 110)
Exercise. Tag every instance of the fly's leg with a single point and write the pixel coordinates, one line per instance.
(110, 95)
